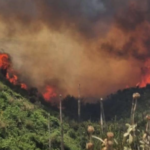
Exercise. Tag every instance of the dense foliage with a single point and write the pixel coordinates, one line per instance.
(116, 106)
(24, 126)
(24, 120)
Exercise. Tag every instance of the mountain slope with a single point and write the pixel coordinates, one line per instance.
(24, 126)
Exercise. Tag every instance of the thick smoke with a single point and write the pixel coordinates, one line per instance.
(101, 44)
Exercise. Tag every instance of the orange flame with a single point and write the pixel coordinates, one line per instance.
(12, 76)
(4, 61)
(5, 64)
(24, 86)
(49, 93)
(13, 79)
(145, 79)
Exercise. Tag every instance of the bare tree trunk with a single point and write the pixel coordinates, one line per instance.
(147, 140)
(132, 112)
(102, 116)
(79, 113)
(49, 131)
(61, 125)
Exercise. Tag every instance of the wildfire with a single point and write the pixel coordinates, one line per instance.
(13, 79)
(145, 79)
(5, 64)
(49, 93)
(12, 76)
(4, 61)
(24, 86)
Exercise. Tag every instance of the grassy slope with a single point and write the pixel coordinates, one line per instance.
(23, 126)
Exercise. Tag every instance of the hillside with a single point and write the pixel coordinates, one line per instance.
(24, 126)
(24, 120)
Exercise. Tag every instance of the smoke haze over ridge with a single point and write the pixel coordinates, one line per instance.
(100, 44)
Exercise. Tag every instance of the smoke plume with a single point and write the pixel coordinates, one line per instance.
(101, 44)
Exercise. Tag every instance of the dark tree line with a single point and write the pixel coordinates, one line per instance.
(116, 106)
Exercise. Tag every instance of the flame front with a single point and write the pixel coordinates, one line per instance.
(13, 78)
(4, 61)
(5, 64)
(49, 93)
(145, 76)
(24, 86)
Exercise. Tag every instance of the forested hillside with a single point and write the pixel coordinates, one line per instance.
(116, 105)
(24, 120)
(24, 126)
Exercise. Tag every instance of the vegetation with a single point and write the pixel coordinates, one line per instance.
(24, 126)
(26, 122)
